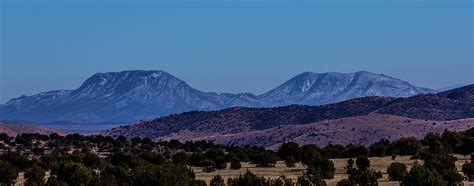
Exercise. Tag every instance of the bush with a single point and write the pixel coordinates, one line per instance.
(312, 158)
(421, 176)
(235, 164)
(289, 150)
(290, 162)
(91, 160)
(396, 171)
(309, 154)
(332, 151)
(468, 170)
(283, 181)
(8, 173)
(345, 182)
(355, 151)
(363, 175)
(34, 176)
(54, 181)
(220, 163)
(118, 174)
(363, 163)
(103, 180)
(443, 164)
(215, 154)
(407, 146)
(162, 175)
(217, 181)
(74, 174)
(209, 166)
(198, 183)
(247, 179)
(19, 161)
(311, 178)
(380, 148)
(264, 159)
(322, 167)
(368, 177)
(180, 158)
(196, 159)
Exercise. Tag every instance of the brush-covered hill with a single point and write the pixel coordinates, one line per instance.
(249, 119)
(450, 105)
(16, 129)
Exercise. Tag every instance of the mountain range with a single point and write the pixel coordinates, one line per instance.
(130, 96)
(362, 120)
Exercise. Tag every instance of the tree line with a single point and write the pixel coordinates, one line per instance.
(102, 160)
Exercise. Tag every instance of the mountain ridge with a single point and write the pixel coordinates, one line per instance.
(432, 110)
(130, 96)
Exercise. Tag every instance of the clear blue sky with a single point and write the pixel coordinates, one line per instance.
(229, 46)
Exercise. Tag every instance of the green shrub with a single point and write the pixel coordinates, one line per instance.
(396, 171)
(217, 181)
(8, 173)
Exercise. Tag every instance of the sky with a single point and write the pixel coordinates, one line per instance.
(232, 46)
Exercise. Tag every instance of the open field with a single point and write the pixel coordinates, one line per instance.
(377, 163)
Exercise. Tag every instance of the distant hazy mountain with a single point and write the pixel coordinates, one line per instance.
(119, 97)
(129, 96)
(315, 89)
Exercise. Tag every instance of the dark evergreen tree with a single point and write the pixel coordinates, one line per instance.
(217, 181)
(289, 150)
(468, 170)
(396, 171)
(423, 176)
(35, 176)
(8, 173)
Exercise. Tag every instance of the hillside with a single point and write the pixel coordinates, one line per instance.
(454, 104)
(289, 122)
(16, 129)
(365, 130)
(249, 119)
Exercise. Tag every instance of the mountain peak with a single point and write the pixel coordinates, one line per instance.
(133, 95)
(322, 88)
(124, 81)
(313, 74)
(127, 74)
(364, 72)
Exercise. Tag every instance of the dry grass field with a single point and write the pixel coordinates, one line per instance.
(377, 163)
